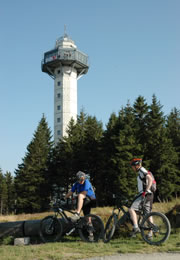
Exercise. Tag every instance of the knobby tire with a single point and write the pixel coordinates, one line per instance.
(51, 229)
(110, 228)
(160, 227)
(97, 228)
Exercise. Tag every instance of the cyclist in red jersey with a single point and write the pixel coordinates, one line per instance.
(145, 183)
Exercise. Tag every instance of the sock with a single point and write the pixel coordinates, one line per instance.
(135, 226)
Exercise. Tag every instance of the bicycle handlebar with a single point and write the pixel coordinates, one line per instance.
(120, 200)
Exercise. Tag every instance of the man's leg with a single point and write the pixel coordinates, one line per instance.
(81, 198)
(133, 217)
(148, 209)
(132, 211)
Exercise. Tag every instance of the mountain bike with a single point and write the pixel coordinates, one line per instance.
(154, 223)
(52, 228)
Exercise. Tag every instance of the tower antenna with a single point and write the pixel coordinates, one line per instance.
(65, 34)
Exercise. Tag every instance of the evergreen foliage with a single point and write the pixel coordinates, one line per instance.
(31, 182)
(3, 194)
(173, 129)
(10, 203)
(160, 153)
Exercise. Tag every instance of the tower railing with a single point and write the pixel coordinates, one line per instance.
(65, 55)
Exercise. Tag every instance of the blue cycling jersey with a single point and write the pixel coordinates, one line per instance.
(86, 186)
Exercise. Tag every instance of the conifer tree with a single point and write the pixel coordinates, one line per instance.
(3, 194)
(173, 129)
(107, 151)
(121, 138)
(160, 155)
(31, 179)
(141, 111)
(10, 193)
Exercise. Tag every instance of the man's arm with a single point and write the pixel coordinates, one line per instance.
(149, 182)
(70, 193)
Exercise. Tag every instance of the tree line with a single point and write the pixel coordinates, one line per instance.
(138, 130)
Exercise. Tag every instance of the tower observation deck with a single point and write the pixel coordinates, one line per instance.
(65, 64)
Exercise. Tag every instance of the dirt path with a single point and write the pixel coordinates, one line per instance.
(154, 256)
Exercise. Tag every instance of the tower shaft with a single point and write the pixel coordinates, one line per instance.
(65, 99)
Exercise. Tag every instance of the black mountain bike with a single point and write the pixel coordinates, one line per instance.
(90, 227)
(154, 226)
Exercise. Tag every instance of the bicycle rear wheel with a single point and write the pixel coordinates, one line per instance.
(51, 229)
(110, 228)
(91, 228)
(155, 228)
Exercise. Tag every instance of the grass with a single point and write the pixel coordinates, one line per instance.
(74, 248)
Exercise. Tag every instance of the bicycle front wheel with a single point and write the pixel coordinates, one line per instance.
(51, 229)
(155, 228)
(110, 228)
(91, 228)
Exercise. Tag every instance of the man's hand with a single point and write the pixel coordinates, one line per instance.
(144, 194)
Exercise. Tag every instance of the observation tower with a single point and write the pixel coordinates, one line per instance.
(65, 64)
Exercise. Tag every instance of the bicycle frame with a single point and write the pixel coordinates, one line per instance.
(118, 221)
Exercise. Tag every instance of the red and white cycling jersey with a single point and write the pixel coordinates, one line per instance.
(142, 180)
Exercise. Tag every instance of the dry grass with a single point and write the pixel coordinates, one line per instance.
(103, 212)
(20, 217)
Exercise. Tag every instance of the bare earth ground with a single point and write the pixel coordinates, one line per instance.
(154, 256)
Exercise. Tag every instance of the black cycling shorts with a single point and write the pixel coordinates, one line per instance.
(87, 205)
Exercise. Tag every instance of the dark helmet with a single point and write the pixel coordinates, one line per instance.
(135, 161)
(80, 175)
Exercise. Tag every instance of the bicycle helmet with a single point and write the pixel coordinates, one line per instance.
(80, 175)
(135, 161)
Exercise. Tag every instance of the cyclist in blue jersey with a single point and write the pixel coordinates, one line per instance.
(86, 195)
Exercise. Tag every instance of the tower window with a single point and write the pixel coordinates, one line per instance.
(58, 120)
(58, 107)
(58, 71)
(59, 83)
(58, 132)
(58, 95)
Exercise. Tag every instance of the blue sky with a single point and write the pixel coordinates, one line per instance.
(133, 48)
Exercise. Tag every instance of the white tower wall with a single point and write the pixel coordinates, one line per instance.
(65, 100)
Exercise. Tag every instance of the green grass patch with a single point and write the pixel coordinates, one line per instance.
(74, 248)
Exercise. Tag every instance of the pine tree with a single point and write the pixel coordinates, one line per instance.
(141, 111)
(173, 129)
(160, 155)
(3, 194)
(31, 178)
(120, 137)
(107, 151)
(10, 193)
